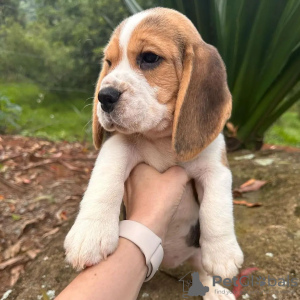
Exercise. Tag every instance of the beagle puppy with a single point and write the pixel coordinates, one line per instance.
(163, 95)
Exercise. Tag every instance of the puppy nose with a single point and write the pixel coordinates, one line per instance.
(108, 97)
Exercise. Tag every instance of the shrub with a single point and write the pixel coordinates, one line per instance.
(9, 115)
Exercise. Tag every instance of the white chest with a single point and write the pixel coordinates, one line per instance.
(158, 154)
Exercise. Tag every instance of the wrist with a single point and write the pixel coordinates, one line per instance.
(156, 226)
(149, 243)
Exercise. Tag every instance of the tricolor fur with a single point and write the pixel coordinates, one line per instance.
(169, 113)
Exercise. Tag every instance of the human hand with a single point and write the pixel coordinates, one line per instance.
(151, 198)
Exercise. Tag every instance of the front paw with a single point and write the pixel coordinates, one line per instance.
(221, 257)
(89, 241)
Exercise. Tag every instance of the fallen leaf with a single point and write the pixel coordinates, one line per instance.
(13, 250)
(72, 197)
(282, 148)
(251, 185)
(29, 223)
(246, 203)
(71, 167)
(45, 296)
(244, 157)
(237, 289)
(247, 183)
(232, 129)
(15, 274)
(6, 294)
(61, 215)
(12, 207)
(237, 194)
(264, 161)
(57, 155)
(51, 232)
(12, 261)
(26, 180)
(33, 253)
(15, 217)
(42, 197)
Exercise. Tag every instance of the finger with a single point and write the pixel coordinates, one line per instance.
(178, 173)
(142, 170)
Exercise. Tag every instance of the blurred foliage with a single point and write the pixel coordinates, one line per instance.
(9, 115)
(57, 43)
(51, 115)
(259, 41)
(286, 130)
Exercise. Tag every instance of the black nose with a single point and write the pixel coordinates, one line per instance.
(108, 97)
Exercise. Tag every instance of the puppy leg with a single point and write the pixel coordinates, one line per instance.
(95, 233)
(221, 254)
(216, 292)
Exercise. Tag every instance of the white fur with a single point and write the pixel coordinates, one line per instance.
(130, 24)
(95, 232)
(216, 292)
(137, 110)
(100, 206)
(220, 251)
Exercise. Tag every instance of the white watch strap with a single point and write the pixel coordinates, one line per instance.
(147, 241)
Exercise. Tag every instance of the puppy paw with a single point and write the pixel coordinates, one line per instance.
(90, 241)
(219, 293)
(222, 257)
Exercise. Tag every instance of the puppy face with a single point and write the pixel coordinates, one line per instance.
(141, 70)
(159, 76)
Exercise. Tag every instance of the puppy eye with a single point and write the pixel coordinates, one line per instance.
(149, 57)
(148, 60)
(108, 62)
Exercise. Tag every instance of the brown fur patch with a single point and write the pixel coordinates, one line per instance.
(152, 35)
(204, 101)
(112, 53)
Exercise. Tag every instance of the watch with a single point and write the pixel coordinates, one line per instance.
(148, 242)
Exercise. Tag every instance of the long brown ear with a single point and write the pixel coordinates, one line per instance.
(98, 131)
(203, 103)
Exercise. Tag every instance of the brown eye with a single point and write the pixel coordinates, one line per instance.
(148, 60)
(108, 62)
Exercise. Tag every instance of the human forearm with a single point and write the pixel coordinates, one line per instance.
(118, 277)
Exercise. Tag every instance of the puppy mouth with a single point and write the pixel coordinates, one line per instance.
(119, 126)
(112, 124)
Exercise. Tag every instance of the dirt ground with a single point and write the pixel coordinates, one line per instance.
(41, 184)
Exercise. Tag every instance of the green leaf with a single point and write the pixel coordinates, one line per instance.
(15, 217)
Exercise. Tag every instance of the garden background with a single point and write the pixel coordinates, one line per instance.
(50, 58)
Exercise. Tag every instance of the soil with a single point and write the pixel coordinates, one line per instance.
(41, 185)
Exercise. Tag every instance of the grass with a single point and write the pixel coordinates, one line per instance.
(286, 131)
(51, 115)
(66, 116)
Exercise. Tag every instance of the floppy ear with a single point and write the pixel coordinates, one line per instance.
(204, 102)
(98, 131)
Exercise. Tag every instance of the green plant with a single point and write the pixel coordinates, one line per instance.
(9, 115)
(47, 114)
(259, 41)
